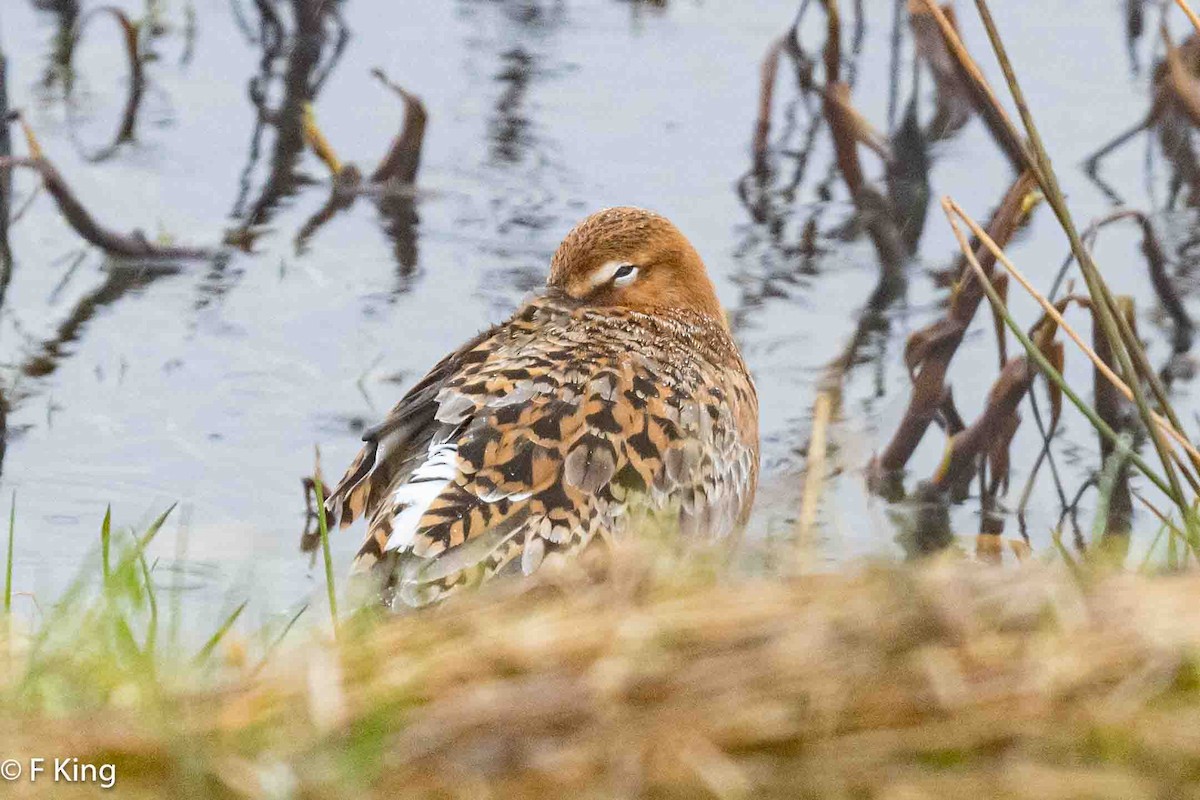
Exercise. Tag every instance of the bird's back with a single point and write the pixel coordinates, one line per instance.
(559, 425)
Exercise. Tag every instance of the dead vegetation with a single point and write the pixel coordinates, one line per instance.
(1132, 404)
(954, 680)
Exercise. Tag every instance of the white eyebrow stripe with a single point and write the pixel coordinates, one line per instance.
(605, 273)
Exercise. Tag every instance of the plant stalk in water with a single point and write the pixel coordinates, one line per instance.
(323, 526)
(1124, 346)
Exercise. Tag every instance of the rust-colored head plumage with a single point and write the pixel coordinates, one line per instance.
(632, 258)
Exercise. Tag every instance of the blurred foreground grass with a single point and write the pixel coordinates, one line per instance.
(947, 680)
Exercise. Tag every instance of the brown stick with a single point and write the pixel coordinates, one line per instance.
(403, 159)
(132, 245)
(1178, 80)
(833, 42)
(998, 417)
(929, 351)
(814, 475)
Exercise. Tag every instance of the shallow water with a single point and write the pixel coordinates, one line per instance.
(210, 384)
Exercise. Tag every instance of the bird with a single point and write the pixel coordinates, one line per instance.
(616, 394)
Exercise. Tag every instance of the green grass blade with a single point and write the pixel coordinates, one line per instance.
(323, 526)
(175, 612)
(124, 641)
(1072, 565)
(106, 545)
(216, 638)
(270, 651)
(8, 561)
(152, 598)
(142, 542)
(1150, 551)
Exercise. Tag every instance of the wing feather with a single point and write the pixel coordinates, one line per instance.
(532, 438)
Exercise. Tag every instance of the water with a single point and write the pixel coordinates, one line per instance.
(210, 384)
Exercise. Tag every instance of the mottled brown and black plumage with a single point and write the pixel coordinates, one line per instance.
(617, 394)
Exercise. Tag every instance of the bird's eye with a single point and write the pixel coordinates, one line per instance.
(625, 275)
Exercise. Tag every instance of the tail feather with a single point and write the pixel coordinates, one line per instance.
(375, 545)
(350, 499)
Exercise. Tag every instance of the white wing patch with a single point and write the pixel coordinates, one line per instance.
(414, 496)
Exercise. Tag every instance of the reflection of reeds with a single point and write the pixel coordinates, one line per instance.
(133, 245)
(1174, 110)
(137, 80)
(6, 260)
(1122, 369)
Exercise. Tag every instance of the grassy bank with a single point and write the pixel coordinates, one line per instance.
(951, 680)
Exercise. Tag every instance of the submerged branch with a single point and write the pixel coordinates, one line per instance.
(995, 249)
(403, 158)
(1032, 350)
(995, 426)
(131, 245)
(929, 351)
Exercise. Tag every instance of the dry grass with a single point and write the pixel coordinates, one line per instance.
(953, 680)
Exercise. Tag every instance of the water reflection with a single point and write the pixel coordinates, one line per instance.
(398, 217)
(524, 33)
(138, 50)
(509, 127)
(510, 167)
(301, 82)
(1135, 24)
(528, 186)
(6, 259)
(66, 14)
(120, 280)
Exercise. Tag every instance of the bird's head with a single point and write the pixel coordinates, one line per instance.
(632, 258)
